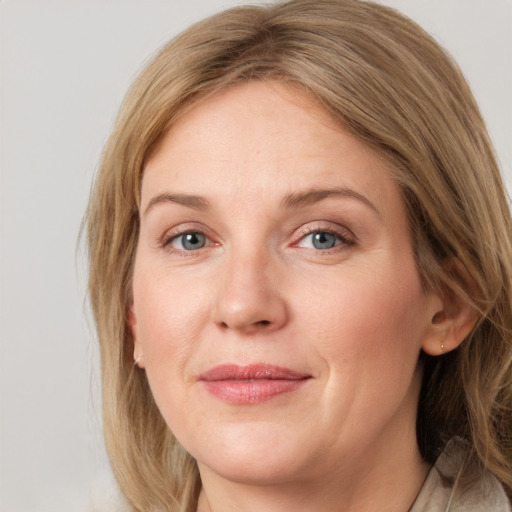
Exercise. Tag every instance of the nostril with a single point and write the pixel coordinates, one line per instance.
(264, 322)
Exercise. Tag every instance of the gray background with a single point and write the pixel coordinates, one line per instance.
(64, 67)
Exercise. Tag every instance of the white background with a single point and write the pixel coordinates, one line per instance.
(64, 67)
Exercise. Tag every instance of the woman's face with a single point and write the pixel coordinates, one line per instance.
(277, 308)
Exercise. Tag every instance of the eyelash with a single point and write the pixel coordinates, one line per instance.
(170, 237)
(344, 236)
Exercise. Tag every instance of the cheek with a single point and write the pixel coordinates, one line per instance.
(368, 333)
(374, 317)
(170, 315)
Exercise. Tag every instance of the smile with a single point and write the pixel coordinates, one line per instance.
(244, 385)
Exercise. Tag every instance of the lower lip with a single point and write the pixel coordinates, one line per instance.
(245, 392)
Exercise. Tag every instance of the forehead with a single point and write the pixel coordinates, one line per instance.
(260, 140)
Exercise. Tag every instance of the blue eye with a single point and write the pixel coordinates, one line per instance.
(321, 240)
(189, 241)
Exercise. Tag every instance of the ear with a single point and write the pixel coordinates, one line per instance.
(137, 346)
(452, 318)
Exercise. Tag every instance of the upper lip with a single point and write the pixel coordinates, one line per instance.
(233, 372)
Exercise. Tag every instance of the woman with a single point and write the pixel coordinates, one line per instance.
(300, 235)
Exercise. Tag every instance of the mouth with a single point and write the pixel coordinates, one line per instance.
(244, 385)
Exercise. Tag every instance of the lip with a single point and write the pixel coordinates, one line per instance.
(252, 384)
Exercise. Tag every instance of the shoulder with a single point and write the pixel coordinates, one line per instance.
(456, 483)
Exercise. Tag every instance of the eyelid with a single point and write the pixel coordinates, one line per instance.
(345, 234)
(183, 229)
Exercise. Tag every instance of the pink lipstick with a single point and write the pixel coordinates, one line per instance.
(241, 385)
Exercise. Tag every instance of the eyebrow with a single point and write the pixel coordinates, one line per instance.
(195, 202)
(293, 200)
(308, 197)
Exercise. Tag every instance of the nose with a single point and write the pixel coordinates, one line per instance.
(250, 299)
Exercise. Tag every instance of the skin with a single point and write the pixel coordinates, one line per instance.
(353, 317)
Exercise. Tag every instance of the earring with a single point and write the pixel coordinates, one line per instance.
(137, 360)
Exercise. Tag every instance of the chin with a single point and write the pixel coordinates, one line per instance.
(255, 456)
(261, 472)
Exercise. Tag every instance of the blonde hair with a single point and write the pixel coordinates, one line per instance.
(393, 87)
